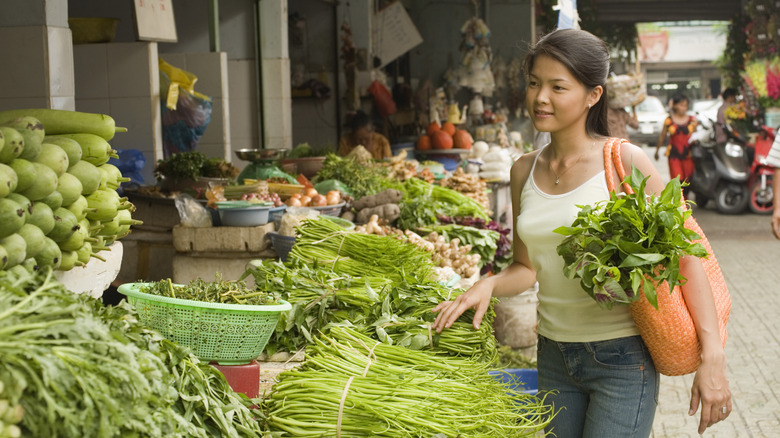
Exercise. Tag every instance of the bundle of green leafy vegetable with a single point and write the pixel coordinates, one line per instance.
(217, 291)
(423, 203)
(627, 244)
(362, 178)
(503, 254)
(80, 369)
(397, 313)
(193, 164)
(354, 386)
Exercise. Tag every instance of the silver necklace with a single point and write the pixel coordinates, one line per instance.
(558, 177)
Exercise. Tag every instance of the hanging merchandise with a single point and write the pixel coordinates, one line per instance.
(474, 71)
(499, 72)
(349, 56)
(185, 112)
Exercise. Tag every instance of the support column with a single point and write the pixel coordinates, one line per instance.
(38, 40)
(276, 91)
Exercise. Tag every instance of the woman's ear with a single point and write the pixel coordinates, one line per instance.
(595, 95)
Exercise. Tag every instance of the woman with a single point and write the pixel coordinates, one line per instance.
(362, 134)
(592, 362)
(678, 127)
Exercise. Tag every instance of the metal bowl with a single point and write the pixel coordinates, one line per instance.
(259, 154)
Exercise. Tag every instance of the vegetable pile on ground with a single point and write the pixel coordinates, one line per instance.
(470, 185)
(58, 200)
(382, 285)
(492, 260)
(424, 203)
(191, 165)
(621, 247)
(80, 369)
(351, 385)
(362, 178)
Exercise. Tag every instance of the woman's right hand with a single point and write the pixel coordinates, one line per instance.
(477, 297)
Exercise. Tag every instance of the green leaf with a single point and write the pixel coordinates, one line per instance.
(641, 260)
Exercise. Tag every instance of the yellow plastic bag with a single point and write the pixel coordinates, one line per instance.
(185, 112)
(178, 79)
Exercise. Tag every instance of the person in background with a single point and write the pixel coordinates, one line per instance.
(678, 128)
(593, 365)
(618, 119)
(362, 134)
(729, 96)
(773, 159)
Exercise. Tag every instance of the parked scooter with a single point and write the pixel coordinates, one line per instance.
(761, 174)
(721, 171)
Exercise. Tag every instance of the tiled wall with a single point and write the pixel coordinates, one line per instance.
(122, 80)
(244, 117)
(37, 69)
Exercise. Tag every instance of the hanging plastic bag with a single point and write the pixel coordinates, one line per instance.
(185, 112)
(383, 100)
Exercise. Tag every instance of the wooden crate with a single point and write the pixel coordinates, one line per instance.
(222, 239)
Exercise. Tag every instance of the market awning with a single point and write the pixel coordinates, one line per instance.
(636, 11)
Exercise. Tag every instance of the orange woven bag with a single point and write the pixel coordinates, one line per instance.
(669, 332)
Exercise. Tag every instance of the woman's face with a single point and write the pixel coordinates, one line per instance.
(363, 136)
(555, 99)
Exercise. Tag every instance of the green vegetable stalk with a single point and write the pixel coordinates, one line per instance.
(621, 248)
(352, 385)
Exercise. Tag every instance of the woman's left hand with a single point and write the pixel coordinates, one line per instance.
(711, 390)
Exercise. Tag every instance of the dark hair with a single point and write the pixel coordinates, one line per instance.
(359, 120)
(729, 92)
(587, 58)
(679, 97)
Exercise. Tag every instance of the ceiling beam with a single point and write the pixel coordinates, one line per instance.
(638, 11)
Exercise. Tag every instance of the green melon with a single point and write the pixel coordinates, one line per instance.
(33, 237)
(50, 256)
(12, 146)
(65, 224)
(45, 183)
(23, 202)
(42, 216)
(16, 248)
(88, 174)
(8, 180)
(32, 132)
(79, 207)
(69, 260)
(12, 217)
(54, 200)
(69, 187)
(54, 157)
(25, 173)
(69, 145)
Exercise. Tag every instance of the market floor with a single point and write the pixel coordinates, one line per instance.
(748, 255)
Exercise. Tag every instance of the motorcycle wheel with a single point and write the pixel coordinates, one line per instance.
(761, 201)
(731, 198)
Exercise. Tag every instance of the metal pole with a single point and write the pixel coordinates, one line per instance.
(214, 25)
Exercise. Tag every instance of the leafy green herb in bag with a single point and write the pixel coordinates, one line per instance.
(629, 242)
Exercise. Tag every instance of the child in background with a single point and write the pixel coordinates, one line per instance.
(678, 127)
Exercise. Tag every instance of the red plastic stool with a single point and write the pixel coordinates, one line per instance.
(242, 378)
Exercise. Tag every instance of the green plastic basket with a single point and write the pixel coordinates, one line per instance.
(229, 334)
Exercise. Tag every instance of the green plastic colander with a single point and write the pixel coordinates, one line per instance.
(229, 334)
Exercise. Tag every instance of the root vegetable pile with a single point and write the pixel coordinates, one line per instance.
(470, 185)
(454, 255)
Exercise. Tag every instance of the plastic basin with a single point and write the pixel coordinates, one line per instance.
(244, 216)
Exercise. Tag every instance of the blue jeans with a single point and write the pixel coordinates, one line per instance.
(607, 389)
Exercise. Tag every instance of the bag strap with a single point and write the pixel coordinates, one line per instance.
(612, 157)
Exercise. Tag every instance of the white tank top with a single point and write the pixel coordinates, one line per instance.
(566, 312)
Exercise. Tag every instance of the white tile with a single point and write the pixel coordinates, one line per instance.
(60, 55)
(241, 75)
(215, 132)
(25, 75)
(90, 62)
(62, 102)
(211, 70)
(130, 69)
(178, 60)
(133, 113)
(276, 78)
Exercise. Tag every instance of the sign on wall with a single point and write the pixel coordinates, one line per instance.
(395, 33)
(679, 43)
(154, 20)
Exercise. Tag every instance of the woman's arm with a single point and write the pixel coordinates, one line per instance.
(516, 278)
(776, 204)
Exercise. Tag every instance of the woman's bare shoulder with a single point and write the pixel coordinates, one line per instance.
(522, 167)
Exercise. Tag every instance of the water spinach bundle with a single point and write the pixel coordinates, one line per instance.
(350, 385)
(78, 368)
(622, 247)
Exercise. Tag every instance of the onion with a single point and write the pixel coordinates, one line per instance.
(311, 191)
(294, 202)
(333, 197)
(305, 200)
(319, 201)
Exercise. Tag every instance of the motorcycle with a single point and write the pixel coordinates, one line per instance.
(721, 170)
(761, 174)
